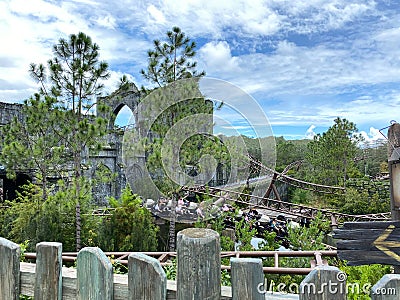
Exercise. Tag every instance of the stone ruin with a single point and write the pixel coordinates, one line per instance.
(110, 156)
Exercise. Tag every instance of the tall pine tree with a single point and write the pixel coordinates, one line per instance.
(74, 80)
(331, 154)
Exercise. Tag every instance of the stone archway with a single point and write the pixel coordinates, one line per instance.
(122, 117)
(116, 101)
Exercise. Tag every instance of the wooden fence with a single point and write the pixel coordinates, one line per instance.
(198, 275)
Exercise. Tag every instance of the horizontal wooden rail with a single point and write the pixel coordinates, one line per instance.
(165, 257)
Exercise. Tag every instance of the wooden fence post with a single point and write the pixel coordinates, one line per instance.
(9, 270)
(393, 164)
(146, 278)
(324, 283)
(95, 279)
(247, 277)
(48, 277)
(199, 264)
(387, 288)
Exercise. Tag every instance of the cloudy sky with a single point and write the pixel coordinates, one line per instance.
(304, 62)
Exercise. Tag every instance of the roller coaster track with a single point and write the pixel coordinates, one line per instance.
(228, 193)
(278, 206)
(319, 188)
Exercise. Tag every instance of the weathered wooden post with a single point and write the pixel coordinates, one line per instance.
(94, 275)
(387, 288)
(394, 169)
(324, 283)
(230, 233)
(146, 278)
(199, 264)
(394, 173)
(247, 277)
(48, 277)
(9, 270)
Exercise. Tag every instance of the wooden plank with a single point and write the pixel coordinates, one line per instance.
(48, 281)
(94, 275)
(199, 264)
(146, 278)
(359, 257)
(70, 284)
(356, 234)
(362, 245)
(374, 242)
(324, 282)
(9, 270)
(246, 276)
(369, 225)
(387, 288)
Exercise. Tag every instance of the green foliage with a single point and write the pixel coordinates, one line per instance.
(225, 278)
(23, 247)
(171, 60)
(288, 152)
(309, 238)
(73, 80)
(53, 220)
(227, 244)
(362, 202)
(181, 119)
(331, 154)
(365, 277)
(34, 142)
(301, 196)
(371, 156)
(118, 267)
(301, 238)
(170, 270)
(75, 71)
(244, 234)
(270, 243)
(130, 227)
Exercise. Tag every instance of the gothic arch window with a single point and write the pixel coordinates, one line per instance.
(122, 116)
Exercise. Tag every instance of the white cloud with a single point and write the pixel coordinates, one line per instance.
(106, 21)
(156, 14)
(297, 58)
(113, 82)
(217, 58)
(373, 136)
(319, 15)
(310, 132)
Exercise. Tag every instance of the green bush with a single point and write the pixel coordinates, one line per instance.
(130, 226)
(30, 217)
(364, 277)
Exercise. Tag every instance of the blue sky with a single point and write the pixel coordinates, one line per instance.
(304, 62)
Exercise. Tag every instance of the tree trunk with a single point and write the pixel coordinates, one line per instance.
(77, 167)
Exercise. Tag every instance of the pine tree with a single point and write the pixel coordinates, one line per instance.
(331, 154)
(74, 80)
(172, 60)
